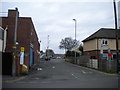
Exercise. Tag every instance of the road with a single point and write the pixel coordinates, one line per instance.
(57, 73)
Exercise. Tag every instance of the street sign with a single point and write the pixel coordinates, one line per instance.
(21, 58)
(14, 47)
(108, 50)
(22, 49)
(109, 54)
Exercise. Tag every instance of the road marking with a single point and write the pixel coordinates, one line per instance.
(83, 72)
(53, 67)
(93, 70)
(75, 76)
(39, 69)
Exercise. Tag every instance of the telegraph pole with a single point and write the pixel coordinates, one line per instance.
(117, 50)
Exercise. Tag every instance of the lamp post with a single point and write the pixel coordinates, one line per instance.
(14, 47)
(75, 38)
(117, 50)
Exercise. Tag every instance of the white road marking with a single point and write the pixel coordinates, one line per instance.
(53, 67)
(83, 72)
(75, 76)
(39, 69)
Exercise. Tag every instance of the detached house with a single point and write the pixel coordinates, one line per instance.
(101, 42)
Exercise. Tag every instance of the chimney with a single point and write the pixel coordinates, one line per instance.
(12, 13)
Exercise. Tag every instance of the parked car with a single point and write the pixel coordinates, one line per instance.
(47, 58)
(42, 57)
(58, 57)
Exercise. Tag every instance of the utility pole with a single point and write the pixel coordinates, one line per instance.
(14, 47)
(117, 50)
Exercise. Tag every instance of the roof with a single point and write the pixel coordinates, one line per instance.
(105, 33)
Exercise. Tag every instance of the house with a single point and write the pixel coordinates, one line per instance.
(27, 45)
(101, 42)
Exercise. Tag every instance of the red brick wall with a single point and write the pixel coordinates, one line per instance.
(24, 37)
(92, 53)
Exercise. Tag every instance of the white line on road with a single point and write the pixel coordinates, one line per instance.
(83, 72)
(75, 76)
(53, 67)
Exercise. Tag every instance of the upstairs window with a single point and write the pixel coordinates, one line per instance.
(105, 42)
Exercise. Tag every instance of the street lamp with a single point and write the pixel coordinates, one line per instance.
(75, 39)
(14, 47)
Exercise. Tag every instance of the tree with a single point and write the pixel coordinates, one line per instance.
(68, 43)
(81, 48)
(41, 52)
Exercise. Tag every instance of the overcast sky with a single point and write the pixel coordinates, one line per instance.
(56, 19)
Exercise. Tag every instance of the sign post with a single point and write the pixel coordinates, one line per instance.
(22, 49)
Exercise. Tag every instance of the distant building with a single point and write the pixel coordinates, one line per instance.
(101, 42)
(59, 55)
(27, 40)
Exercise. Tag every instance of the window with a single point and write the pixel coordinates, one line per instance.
(105, 42)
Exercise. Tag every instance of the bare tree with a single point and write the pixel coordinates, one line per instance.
(68, 43)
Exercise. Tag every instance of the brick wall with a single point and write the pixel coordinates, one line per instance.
(26, 35)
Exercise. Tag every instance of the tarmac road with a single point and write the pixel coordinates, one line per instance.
(58, 73)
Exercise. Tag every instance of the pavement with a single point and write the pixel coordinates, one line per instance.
(10, 78)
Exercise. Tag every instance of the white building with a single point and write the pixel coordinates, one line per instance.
(2, 39)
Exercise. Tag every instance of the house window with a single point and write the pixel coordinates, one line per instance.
(105, 42)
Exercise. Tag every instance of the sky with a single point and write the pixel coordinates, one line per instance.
(55, 18)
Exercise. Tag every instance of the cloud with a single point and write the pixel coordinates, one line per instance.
(55, 19)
